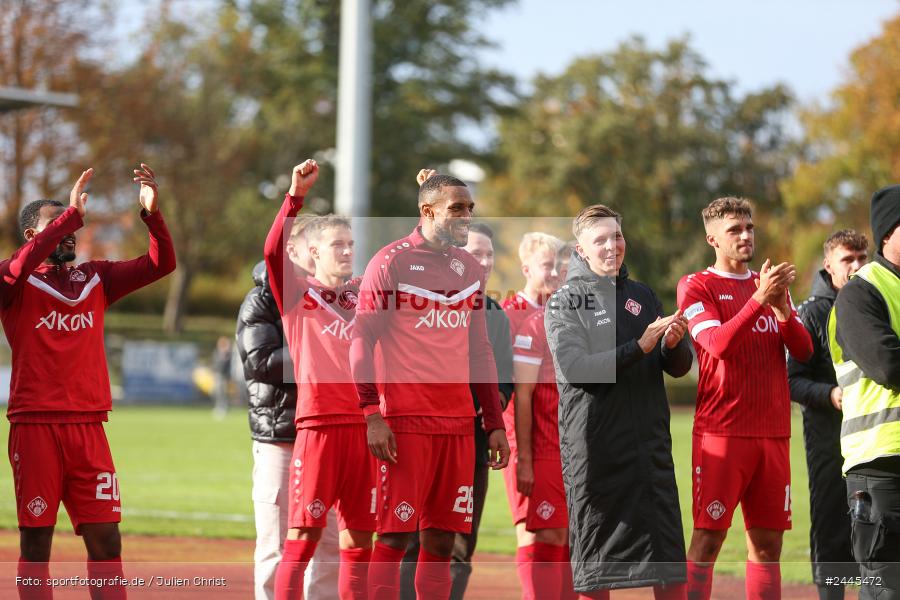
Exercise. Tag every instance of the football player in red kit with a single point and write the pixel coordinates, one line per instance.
(331, 464)
(741, 322)
(421, 301)
(539, 257)
(52, 314)
(539, 466)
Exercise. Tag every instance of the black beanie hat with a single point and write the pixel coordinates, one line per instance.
(885, 212)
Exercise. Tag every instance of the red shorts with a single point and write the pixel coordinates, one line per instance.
(547, 503)
(430, 487)
(755, 472)
(518, 504)
(332, 466)
(63, 462)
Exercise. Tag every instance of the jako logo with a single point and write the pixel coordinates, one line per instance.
(765, 324)
(450, 319)
(339, 329)
(61, 322)
(726, 297)
(416, 267)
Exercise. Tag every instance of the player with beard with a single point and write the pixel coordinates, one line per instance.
(740, 322)
(421, 301)
(331, 464)
(59, 397)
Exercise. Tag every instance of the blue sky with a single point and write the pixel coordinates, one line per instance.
(804, 43)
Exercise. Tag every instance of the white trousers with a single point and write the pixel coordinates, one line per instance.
(271, 487)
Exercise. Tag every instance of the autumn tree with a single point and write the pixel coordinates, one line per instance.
(47, 45)
(651, 133)
(853, 146)
(177, 106)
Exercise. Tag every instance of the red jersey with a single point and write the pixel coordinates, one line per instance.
(425, 310)
(531, 348)
(318, 321)
(743, 389)
(53, 319)
(517, 308)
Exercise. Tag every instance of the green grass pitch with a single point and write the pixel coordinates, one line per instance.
(183, 473)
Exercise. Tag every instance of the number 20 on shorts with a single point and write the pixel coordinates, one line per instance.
(107, 486)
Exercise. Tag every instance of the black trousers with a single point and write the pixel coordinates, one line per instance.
(876, 539)
(829, 532)
(463, 548)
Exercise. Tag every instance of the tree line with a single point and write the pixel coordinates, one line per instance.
(224, 98)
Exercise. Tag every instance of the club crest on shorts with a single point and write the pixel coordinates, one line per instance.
(404, 511)
(316, 508)
(545, 510)
(77, 275)
(716, 509)
(458, 266)
(633, 307)
(37, 507)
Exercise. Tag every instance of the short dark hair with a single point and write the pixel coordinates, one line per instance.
(482, 228)
(848, 238)
(434, 184)
(591, 215)
(31, 214)
(729, 206)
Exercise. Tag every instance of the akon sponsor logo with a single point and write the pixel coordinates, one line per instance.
(444, 319)
(339, 329)
(57, 321)
(766, 324)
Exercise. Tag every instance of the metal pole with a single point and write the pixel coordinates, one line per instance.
(354, 125)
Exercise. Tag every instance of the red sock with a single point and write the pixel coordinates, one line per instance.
(354, 573)
(110, 570)
(567, 589)
(763, 581)
(384, 572)
(598, 595)
(289, 576)
(672, 591)
(546, 576)
(699, 583)
(524, 567)
(31, 571)
(432, 576)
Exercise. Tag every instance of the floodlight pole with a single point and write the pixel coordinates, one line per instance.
(354, 124)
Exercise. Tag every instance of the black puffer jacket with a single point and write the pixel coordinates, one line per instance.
(624, 519)
(267, 364)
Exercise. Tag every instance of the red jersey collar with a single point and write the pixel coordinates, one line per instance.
(45, 268)
(417, 240)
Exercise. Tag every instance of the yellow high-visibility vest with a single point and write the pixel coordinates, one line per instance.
(871, 421)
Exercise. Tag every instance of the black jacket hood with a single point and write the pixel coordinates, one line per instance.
(261, 275)
(821, 286)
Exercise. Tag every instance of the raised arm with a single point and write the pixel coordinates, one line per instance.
(39, 245)
(303, 177)
(123, 277)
